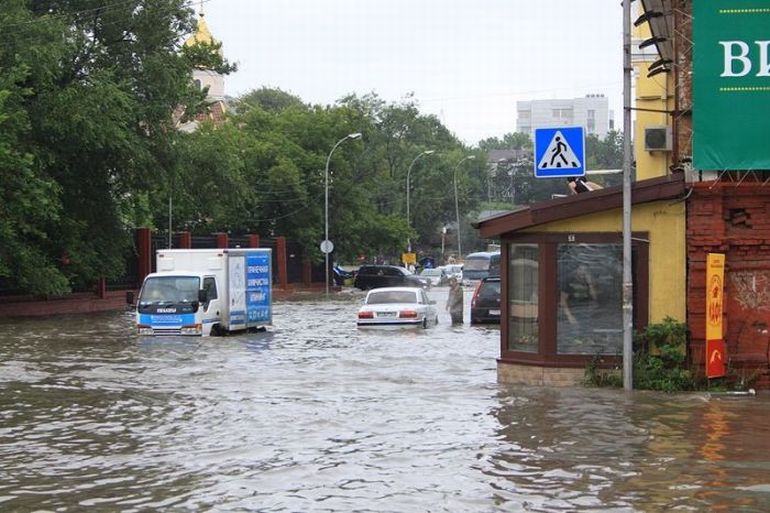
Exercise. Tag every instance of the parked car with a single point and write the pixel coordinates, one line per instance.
(485, 303)
(454, 270)
(340, 275)
(435, 277)
(398, 306)
(375, 276)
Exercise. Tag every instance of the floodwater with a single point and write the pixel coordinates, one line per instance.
(315, 415)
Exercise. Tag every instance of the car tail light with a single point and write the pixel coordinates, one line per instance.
(407, 314)
(366, 315)
(475, 295)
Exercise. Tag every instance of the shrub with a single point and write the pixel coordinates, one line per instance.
(660, 354)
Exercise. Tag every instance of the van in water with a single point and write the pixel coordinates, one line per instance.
(478, 266)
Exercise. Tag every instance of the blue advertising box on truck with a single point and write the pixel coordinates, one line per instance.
(206, 292)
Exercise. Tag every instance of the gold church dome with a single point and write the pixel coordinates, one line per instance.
(202, 33)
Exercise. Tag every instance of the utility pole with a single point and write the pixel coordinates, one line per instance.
(628, 284)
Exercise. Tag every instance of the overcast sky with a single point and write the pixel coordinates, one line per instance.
(466, 61)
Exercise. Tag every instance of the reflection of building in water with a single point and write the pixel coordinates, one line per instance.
(578, 449)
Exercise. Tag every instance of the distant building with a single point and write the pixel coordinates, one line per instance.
(591, 112)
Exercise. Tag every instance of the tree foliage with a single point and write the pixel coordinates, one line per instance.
(88, 91)
(90, 95)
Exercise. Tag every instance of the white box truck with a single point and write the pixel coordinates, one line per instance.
(206, 292)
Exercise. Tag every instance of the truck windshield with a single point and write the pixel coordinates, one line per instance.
(170, 289)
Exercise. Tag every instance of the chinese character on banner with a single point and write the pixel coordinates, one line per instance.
(715, 358)
(715, 271)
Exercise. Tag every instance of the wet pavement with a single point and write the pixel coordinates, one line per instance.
(316, 415)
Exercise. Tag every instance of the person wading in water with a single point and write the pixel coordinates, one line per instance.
(454, 302)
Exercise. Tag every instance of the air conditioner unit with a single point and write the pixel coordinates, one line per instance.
(657, 138)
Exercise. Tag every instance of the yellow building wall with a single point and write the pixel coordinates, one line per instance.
(665, 223)
(654, 93)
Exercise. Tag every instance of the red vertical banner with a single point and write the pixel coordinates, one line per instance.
(715, 344)
(715, 358)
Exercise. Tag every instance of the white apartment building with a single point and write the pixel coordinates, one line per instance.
(591, 112)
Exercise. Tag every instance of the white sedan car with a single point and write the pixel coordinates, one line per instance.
(398, 306)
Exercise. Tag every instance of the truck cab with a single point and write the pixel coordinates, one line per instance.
(178, 304)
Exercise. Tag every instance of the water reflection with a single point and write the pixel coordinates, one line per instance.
(564, 451)
(317, 415)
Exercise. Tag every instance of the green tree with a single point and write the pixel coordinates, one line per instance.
(605, 153)
(29, 198)
(510, 141)
(263, 171)
(91, 86)
(269, 99)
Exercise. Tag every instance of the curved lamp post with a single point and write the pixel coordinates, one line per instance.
(355, 135)
(457, 208)
(408, 218)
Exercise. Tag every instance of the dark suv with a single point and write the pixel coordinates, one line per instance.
(374, 276)
(485, 305)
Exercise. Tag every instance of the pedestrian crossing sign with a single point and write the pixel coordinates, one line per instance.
(559, 152)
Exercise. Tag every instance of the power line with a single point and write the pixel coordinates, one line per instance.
(106, 8)
(20, 37)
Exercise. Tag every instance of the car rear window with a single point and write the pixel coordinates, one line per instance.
(489, 289)
(391, 296)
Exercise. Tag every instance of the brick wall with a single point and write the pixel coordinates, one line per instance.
(734, 219)
(540, 376)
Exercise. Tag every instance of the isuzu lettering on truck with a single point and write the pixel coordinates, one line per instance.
(206, 292)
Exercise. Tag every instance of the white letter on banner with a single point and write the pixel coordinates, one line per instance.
(729, 58)
(764, 62)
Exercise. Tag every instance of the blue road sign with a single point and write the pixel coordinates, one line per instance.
(559, 152)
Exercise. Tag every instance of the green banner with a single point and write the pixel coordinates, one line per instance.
(731, 84)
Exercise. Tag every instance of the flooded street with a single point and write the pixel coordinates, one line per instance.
(316, 415)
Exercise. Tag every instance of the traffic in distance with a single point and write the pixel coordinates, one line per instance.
(202, 292)
(480, 270)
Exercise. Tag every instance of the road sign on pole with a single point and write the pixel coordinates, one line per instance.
(327, 246)
(559, 152)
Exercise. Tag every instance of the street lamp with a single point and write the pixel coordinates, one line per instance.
(408, 219)
(457, 208)
(326, 245)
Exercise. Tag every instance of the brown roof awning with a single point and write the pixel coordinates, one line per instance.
(644, 191)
